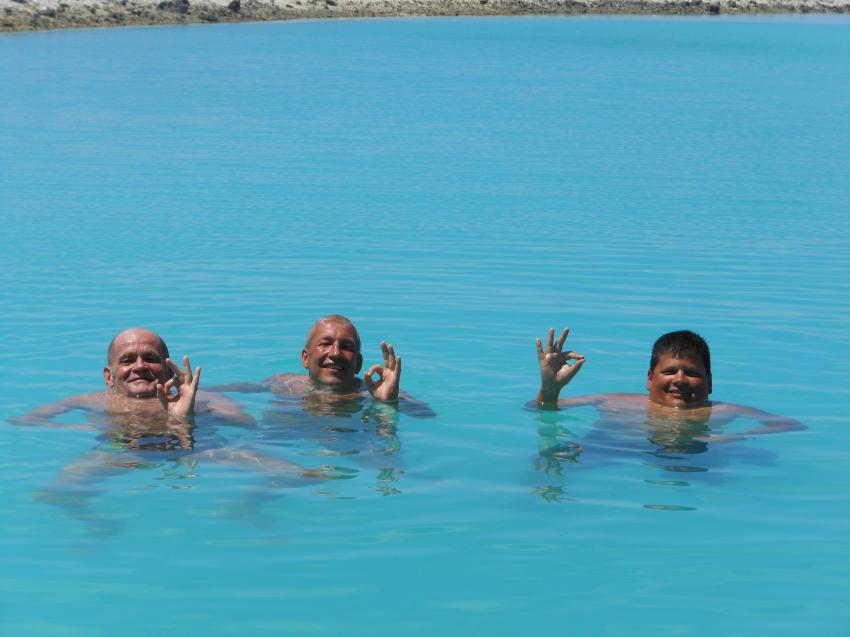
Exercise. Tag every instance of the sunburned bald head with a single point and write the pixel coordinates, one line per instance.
(135, 333)
(338, 319)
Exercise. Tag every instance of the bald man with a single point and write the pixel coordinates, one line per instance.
(332, 357)
(142, 380)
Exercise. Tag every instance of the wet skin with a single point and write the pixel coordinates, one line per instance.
(682, 382)
(137, 364)
(331, 356)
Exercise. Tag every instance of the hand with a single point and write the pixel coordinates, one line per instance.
(181, 402)
(389, 375)
(555, 370)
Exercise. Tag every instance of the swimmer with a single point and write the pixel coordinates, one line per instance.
(331, 355)
(146, 417)
(678, 386)
(142, 380)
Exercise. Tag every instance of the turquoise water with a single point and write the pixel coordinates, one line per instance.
(456, 187)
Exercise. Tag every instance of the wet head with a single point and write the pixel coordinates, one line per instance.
(136, 363)
(331, 354)
(680, 371)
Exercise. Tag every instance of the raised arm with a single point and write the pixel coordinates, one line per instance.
(555, 370)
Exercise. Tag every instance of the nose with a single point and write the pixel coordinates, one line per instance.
(139, 363)
(680, 377)
(335, 349)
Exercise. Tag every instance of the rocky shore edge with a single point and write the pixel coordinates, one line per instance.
(34, 15)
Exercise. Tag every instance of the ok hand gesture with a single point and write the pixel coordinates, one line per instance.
(555, 370)
(389, 375)
(181, 401)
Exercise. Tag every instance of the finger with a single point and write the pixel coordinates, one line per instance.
(196, 379)
(550, 340)
(398, 369)
(188, 368)
(391, 356)
(176, 371)
(169, 385)
(539, 348)
(574, 355)
(375, 369)
(563, 337)
(385, 353)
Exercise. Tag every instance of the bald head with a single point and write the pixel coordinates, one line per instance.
(333, 319)
(135, 334)
(136, 363)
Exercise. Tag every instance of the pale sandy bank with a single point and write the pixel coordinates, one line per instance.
(28, 15)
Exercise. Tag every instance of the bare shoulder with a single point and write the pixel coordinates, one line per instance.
(95, 400)
(287, 384)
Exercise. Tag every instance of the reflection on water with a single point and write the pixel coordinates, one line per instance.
(353, 428)
(662, 440)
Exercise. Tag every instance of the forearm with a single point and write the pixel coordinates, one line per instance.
(775, 425)
(241, 388)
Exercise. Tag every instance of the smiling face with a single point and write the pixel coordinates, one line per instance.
(678, 382)
(331, 355)
(136, 363)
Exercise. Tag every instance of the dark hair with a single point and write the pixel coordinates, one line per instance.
(681, 343)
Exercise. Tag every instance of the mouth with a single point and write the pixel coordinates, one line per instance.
(335, 367)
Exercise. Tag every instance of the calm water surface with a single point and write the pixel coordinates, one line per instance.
(456, 187)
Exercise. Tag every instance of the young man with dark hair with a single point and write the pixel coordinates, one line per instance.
(678, 385)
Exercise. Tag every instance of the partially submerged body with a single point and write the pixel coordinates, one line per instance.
(151, 412)
(331, 386)
(675, 416)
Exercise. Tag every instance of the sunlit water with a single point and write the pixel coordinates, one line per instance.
(456, 187)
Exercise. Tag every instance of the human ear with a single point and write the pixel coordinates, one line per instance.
(649, 380)
(107, 377)
(304, 359)
(359, 363)
(709, 383)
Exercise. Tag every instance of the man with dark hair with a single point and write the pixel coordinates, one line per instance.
(678, 381)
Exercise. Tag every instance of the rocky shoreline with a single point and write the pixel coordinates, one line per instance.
(34, 15)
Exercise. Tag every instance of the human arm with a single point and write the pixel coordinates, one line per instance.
(249, 387)
(385, 388)
(768, 423)
(44, 416)
(223, 408)
(555, 370)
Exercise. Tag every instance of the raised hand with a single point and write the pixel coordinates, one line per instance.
(177, 395)
(389, 375)
(555, 370)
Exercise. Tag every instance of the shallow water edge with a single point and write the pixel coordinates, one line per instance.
(36, 15)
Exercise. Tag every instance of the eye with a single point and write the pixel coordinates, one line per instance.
(347, 345)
